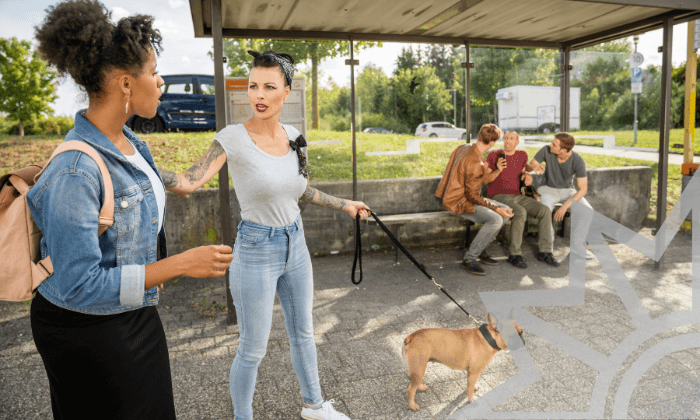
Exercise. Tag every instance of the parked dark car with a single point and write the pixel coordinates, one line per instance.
(379, 130)
(187, 103)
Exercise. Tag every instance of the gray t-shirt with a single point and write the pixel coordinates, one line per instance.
(268, 187)
(561, 175)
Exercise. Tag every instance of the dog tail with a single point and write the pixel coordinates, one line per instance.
(406, 342)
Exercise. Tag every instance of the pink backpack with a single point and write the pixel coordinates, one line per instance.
(21, 272)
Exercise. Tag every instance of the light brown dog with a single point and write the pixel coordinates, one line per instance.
(458, 349)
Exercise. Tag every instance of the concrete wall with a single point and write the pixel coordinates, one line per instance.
(619, 193)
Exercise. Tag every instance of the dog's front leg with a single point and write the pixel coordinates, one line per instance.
(472, 377)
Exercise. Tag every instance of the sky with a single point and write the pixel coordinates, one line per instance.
(183, 53)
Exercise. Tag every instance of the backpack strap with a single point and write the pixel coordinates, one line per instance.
(106, 217)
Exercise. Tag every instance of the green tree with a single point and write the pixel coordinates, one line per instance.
(303, 51)
(26, 84)
(604, 85)
(430, 100)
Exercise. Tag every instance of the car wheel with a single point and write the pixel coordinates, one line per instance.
(464, 136)
(432, 135)
(148, 125)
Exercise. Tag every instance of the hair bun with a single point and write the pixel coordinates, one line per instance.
(73, 36)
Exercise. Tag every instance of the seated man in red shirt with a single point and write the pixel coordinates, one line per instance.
(503, 174)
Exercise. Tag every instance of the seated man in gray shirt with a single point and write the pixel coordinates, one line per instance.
(561, 166)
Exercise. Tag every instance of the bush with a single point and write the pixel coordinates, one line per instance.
(5, 125)
(384, 121)
(52, 125)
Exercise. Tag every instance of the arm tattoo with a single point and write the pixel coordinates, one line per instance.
(170, 179)
(199, 169)
(314, 196)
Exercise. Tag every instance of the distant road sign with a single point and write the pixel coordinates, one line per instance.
(636, 59)
(636, 74)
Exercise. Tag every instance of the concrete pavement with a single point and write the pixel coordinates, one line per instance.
(359, 331)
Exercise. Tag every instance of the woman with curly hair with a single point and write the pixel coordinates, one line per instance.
(268, 169)
(94, 320)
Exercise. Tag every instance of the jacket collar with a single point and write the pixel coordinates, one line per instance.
(90, 134)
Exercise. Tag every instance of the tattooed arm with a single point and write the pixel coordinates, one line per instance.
(314, 196)
(199, 174)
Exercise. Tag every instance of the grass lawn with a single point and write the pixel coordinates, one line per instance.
(178, 151)
(645, 138)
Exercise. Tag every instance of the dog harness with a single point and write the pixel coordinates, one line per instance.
(489, 338)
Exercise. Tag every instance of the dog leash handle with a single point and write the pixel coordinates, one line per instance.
(358, 251)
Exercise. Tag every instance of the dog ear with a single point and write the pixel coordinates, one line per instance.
(491, 323)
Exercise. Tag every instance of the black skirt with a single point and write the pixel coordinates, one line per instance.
(104, 366)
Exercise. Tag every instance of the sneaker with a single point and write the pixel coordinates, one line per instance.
(589, 255)
(326, 412)
(485, 258)
(517, 260)
(473, 267)
(548, 258)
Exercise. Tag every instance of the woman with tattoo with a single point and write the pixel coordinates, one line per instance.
(270, 255)
(94, 320)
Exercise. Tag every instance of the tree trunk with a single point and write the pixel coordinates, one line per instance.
(314, 88)
(21, 129)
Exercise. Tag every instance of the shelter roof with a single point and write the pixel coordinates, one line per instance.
(506, 23)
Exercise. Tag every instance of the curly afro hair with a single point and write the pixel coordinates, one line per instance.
(78, 37)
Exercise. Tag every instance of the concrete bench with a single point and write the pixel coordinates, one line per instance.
(395, 221)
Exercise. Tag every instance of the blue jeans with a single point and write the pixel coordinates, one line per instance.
(492, 223)
(266, 261)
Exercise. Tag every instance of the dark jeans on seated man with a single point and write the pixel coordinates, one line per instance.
(523, 206)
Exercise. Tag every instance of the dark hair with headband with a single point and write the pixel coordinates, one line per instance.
(270, 58)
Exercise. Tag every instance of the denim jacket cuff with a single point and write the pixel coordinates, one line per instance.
(133, 281)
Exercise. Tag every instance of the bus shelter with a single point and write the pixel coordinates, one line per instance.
(564, 25)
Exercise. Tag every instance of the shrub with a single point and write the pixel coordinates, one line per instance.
(52, 125)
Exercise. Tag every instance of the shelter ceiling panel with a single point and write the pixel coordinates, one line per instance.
(507, 23)
(542, 20)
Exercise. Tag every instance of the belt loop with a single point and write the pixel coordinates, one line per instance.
(272, 232)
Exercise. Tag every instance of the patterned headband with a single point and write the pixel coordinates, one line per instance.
(287, 66)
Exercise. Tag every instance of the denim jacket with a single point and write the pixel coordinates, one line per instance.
(106, 274)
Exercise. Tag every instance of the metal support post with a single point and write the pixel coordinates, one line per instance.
(664, 127)
(467, 97)
(352, 120)
(636, 121)
(220, 101)
(564, 97)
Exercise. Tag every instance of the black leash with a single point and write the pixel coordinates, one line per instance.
(421, 267)
(358, 250)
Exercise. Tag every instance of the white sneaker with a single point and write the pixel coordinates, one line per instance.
(326, 412)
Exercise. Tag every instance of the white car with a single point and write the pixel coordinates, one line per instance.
(441, 129)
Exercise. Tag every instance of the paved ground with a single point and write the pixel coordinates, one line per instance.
(359, 332)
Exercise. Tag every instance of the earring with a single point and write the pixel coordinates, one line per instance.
(126, 108)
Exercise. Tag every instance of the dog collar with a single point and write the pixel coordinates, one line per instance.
(489, 338)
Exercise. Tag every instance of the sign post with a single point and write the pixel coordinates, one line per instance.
(636, 59)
